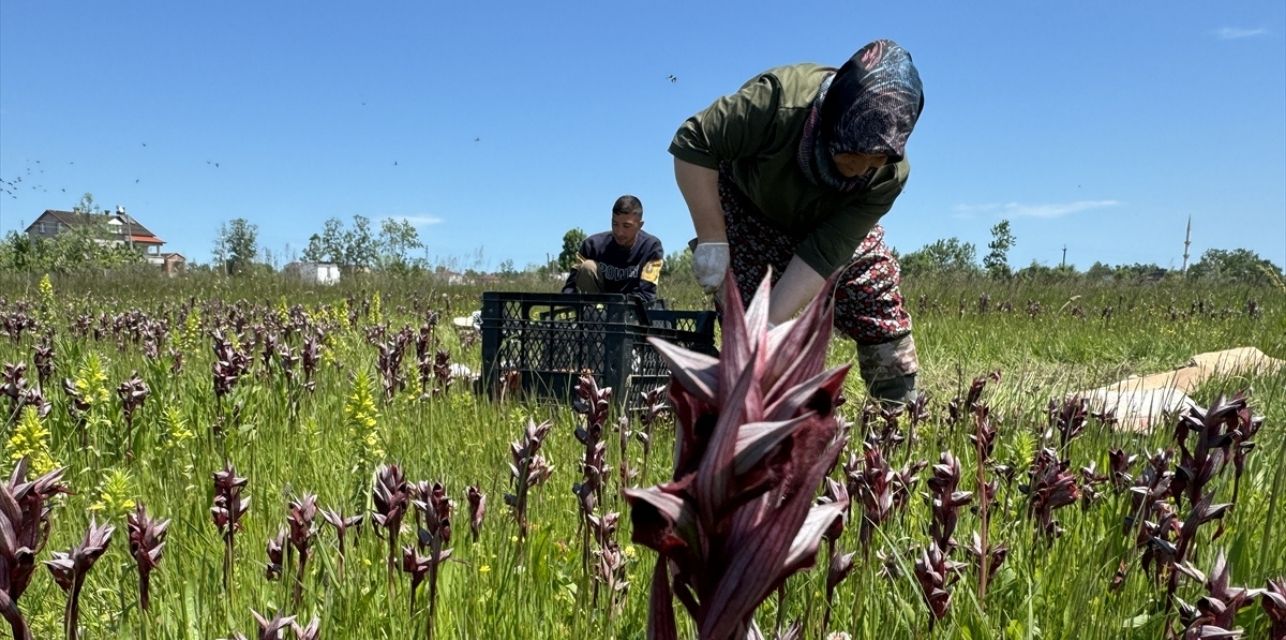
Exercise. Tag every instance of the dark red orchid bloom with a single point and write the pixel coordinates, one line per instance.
(757, 432)
(392, 498)
(146, 544)
(24, 530)
(477, 509)
(227, 510)
(69, 570)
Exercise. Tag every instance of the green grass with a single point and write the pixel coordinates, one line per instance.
(498, 588)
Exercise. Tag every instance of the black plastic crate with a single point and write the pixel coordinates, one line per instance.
(550, 338)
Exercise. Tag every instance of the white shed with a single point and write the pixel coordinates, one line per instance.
(313, 272)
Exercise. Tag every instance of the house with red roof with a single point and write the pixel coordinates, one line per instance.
(122, 229)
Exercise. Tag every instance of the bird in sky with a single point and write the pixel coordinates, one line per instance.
(673, 78)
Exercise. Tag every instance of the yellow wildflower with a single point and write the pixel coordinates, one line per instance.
(30, 439)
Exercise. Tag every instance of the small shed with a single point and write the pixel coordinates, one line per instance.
(171, 264)
(313, 272)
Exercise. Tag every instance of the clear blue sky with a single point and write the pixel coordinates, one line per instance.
(498, 126)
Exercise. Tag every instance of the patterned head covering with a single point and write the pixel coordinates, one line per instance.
(869, 106)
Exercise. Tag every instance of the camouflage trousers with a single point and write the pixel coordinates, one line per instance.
(869, 307)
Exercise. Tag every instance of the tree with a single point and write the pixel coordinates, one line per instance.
(86, 204)
(997, 261)
(361, 250)
(237, 245)
(1099, 271)
(1037, 272)
(942, 256)
(82, 247)
(333, 241)
(1141, 271)
(571, 247)
(18, 252)
(315, 251)
(678, 266)
(219, 252)
(397, 238)
(1242, 265)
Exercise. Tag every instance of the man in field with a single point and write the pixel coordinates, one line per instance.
(623, 260)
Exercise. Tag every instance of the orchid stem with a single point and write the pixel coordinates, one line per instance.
(71, 622)
(16, 624)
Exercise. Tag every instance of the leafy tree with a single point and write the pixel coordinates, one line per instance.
(397, 239)
(315, 251)
(361, 249)
(997, 261)
(1099, 271)
(1141, 271)
(333, 242)
(571, 246)
(1038, 272)
(86, 204)
(18, 252)
(678, 266)
(219, 252)
(362, 246)
(237, 245)
(942, 256)
(1242, 265)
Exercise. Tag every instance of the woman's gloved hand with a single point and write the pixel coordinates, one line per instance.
(709, 264)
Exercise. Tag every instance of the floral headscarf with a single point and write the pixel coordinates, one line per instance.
(869, 106)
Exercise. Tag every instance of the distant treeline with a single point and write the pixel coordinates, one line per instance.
(362, 249)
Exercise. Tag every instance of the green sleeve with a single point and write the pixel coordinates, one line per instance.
(832, 242)
(735, 126)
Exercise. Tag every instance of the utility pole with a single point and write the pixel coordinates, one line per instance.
(1064, 265)
(1187, 240)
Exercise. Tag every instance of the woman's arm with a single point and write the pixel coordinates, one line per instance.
(799, 284)
(700, 188)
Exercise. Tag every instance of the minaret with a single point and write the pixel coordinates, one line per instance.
(1187, 240)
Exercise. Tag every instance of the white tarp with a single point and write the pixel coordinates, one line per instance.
(1140, 401)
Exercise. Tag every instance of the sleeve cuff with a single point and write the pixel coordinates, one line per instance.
(693, 156)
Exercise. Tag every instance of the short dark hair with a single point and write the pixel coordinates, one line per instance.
(627, 204)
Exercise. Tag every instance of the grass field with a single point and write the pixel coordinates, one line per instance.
(287, 440)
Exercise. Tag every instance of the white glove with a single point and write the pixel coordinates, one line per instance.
(709, 264)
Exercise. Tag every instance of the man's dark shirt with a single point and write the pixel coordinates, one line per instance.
(634, 270)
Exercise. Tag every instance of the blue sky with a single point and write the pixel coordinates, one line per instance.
(495, 127)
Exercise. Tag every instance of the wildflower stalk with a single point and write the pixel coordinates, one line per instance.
(392, 496)
(477, 510)
(69, 571)
(594, 403)
(984, 439)
(302, 531)
(435, 534)
(341, 525)
(983, 531)
(227, 511)
(527, 469)
(146, 543)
